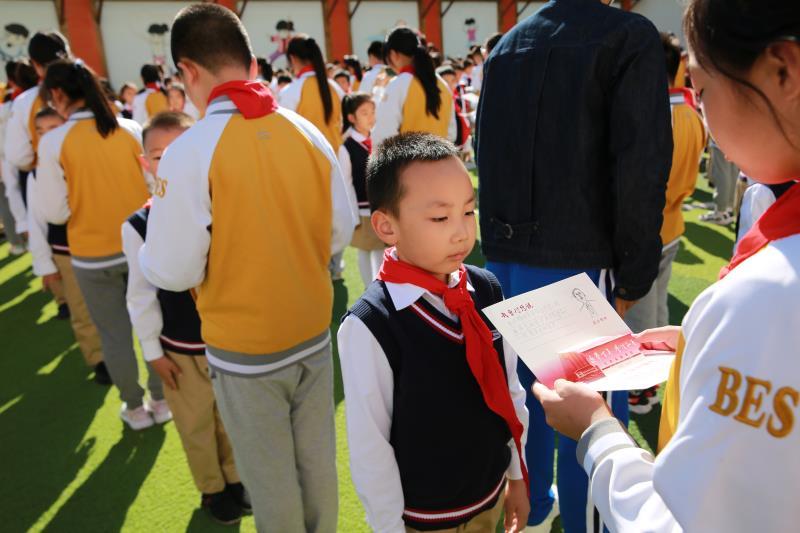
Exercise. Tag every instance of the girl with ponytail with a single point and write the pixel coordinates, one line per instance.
(89, 178)
(417, 99)
(317, 100)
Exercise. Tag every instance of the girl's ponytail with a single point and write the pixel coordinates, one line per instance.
(406, 41)
(305, 48)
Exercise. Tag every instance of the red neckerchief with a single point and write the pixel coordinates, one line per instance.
(304, 70)
(16, 92)
(251, 98)
(782, 219)
(367, 143)
(408, 70)
(688, 95)
(482, 358)
(154, 86)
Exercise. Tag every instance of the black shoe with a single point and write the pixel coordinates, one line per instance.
(223, 507)
(63, 311)
(101, 376)
(241, 497)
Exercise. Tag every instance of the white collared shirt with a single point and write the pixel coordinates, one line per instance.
(347, 169)
(369, 387)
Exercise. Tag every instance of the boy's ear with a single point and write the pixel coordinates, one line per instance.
(384, 227)
(144, 162)
(253, 68)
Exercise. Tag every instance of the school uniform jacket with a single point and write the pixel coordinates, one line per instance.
(303, 97)
(369, 78)
(249, 212)
(92, 184)
(149, 103)
(402, 109)
(731, 462)
(10, 175)
(21, 140)
(377, 391)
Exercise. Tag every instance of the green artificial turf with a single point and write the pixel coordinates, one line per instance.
(68, 464)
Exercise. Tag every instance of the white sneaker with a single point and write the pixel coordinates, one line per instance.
(17, 249)
(547, 524)
(721, 218)
(137, 419)
(159, 410)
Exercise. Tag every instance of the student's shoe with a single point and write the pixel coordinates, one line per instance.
(652, 395)
(160, 410)
(63, 311)
(17, 249)
(720, 218)
(547, 524)
(241, 497)
(222, 507)
(101, 375)
(638, 402)
(137, 419)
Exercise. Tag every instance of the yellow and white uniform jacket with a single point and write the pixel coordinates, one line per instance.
(21, 139)
(92, 184)
(402, 109)
(369, 78)
(303, 97)
(148, 103)
(10, 175)
(249, 212)
(731, 464)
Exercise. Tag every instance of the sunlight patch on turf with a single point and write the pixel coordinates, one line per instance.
(52, 365)
(9, 404)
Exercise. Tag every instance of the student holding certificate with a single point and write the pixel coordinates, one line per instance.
(729, 428)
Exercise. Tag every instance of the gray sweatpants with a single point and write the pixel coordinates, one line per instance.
(652, 311)
(8, 219)
(282, 431)
(103, 290)
(724, 174)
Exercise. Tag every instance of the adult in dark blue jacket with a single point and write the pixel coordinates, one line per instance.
(574, 147)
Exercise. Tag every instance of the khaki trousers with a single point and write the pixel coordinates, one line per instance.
(82, 326)
(194, 411)
(486, 522)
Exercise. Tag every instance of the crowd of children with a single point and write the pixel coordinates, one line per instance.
(207, 214)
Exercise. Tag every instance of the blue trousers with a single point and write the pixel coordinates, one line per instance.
(572, 481)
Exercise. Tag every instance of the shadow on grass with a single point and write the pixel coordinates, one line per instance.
(685, 257)
(710, 240)
(648, 425)
(677, 309)
(202, 522)
(702, 196)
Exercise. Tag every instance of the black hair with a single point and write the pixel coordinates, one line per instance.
(469, 21)
(350, 104)
(284, 78)
(284, 25)
(492, 41)
(46, 111)
(352, 62)
(190, 37)
(44, 48)
(390, 159)
(341, 74)
(78, 82)
(265, 69)
(17, 29)
(376, 49)
(407, 42)
(108, 89)
(127, 85)
(468, 63)
(446, 70)
(474, 50)
(728, 37)
(150, 73)
(672, 54)
(305, 48)
(167, 120)
(11, 69)
(25, 75)
(158, 29)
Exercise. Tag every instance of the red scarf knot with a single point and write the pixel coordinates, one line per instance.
(251, 98)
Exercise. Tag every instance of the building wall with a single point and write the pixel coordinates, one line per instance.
(526, 11)
(33, 16)
(373, 20)
(665, 14)
(457, 35)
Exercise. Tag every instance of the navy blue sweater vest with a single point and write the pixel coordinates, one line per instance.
(56, 233)
(181, 330)
(358, 162)
(451, 449)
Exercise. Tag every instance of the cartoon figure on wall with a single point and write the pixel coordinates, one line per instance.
(157, 37)
(471, 29)
(285, 31)
(15, 40)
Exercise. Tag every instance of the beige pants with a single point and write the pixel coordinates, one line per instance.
(82, 326)
(194, 411)
(486, 522)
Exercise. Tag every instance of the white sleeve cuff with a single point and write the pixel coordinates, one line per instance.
(151, 349)
(600, 440)
(514, 470)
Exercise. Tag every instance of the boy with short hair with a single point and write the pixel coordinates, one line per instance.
(152, 99)
(436, 416)
(376, 67)
(250, 204)
(168, 328)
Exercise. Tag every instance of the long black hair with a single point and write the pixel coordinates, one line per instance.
(350, 104)
(406, 41)
(352, 62)
(305, 48)
(78, 82)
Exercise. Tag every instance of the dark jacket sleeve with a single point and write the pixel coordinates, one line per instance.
(640, 150)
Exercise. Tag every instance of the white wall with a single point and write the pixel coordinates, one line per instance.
(128, 45)
(34, 16)
(456, 37)
(529, 10)
(373, 20)
(665, 14)
(260, 19)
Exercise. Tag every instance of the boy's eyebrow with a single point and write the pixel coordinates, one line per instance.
(442, 203)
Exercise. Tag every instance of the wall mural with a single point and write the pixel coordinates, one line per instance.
(19, 20)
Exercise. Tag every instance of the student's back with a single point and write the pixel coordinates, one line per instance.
(415, 118)
(310, 107)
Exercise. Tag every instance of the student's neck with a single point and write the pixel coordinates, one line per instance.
(403, 62)
(74, 106)
(441, 277)
(365, 133)
(226, 74)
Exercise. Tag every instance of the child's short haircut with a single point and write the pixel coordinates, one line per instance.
(341, 74)
(46, 112)
(168, 120)
(284, 78)
(446, 70)
(191, 39)
(150, 73)
(376, 49)
(391, 158)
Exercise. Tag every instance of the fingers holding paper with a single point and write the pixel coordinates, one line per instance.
(570, 408)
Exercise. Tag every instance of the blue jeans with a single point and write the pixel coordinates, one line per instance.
(540, 449)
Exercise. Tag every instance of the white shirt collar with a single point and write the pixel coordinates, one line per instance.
(405, 294)
(351, 132)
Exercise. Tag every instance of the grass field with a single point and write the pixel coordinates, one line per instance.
(68, 464)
